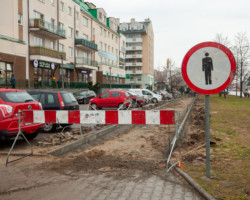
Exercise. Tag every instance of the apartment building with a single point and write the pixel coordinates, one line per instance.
(71, 40)
(139, 52)
(12, 46)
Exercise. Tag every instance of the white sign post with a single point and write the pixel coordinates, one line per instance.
(208, 68)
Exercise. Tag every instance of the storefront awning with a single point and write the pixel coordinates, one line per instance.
(69, 66)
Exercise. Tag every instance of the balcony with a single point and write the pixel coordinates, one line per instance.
(134, 56)
(138, 72)
(135, 48)
(129, 72)
(133, 40)
(46, 29)
(82, 62)
(85, 44)
(108, 64)
(42, 51)
(134, 64)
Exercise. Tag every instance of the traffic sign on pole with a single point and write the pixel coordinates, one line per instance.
(208, 68)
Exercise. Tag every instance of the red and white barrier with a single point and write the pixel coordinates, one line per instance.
(100, 116)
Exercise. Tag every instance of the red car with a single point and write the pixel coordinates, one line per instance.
(12, 100)
(113, 99)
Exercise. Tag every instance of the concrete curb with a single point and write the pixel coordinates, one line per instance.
(93, 139)
(194, 184)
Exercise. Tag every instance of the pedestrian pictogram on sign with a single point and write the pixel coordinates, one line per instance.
(208, 68)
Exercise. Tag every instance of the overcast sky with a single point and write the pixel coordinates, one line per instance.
(180, 24)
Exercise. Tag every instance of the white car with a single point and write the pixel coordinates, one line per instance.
(148, 95)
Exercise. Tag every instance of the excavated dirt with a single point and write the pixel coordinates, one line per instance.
(144, 149)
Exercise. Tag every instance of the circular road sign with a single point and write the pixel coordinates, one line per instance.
(208, 68)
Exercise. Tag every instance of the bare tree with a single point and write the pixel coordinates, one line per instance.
(220, 38)
(169, 68)
(241, 53)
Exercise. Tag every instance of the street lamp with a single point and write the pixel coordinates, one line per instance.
(62, 76)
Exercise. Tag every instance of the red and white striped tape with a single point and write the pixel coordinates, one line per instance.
(100, 117)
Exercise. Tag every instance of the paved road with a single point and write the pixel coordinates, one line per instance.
(21, 184)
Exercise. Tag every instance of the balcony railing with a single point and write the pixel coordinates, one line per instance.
(40, 23)
(86, 61)
(134, 64)
(86, 43)
(37, 50)
(134, 48)
(108, 64)
(134, 56)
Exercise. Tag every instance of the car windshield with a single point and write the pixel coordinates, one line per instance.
(83, 93)
(133, 93)
(68, 97)
(16, 97)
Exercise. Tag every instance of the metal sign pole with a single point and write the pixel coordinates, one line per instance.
(207, 136)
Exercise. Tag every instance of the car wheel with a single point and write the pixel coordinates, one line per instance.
(154, 100)
(49, 127)
(31, 136)
(121, 106)
(93, 106)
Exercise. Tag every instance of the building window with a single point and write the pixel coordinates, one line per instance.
(85, 21)
(70, 32)
(112, 49)
(47, 73)
(38, 41)
(112, 36)
(5, 75)
(38, 15)
(85, 37)
(77, 34)
(108, 48)
(69, 11)
(52, 45)
(61, 6)
(100, 16)
(61, 47)
(70, 51)
(41, 1)
(108, 34)
(52, 2)
(61, 25)
(100, 30)
(76, 53)
(105, 47)
(101, 45)
(116, 39)
(105, 33)
(20, 19)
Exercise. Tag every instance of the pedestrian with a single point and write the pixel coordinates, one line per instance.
(13, 81)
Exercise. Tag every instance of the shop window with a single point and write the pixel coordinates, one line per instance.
(5, 73)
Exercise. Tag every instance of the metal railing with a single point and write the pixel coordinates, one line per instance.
(38, 50)
(81, 41)
(86, 61)
(42, 24)
(49, 84)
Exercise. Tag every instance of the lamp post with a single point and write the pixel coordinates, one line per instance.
(62, 76)
(110, 76)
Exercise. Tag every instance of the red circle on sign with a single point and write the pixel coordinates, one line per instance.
(228, 80)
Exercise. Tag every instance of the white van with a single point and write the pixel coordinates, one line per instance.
(148, 95)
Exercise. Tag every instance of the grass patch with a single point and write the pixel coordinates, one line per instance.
(230, 157)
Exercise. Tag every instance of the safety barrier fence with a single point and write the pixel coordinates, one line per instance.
(156, 117)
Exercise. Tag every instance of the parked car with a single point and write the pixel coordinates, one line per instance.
(12, 100)
(160, 93)
(166, 94)
(83, 96)
(54, 100)
(141, 92)
(112, 99)
(137, 99)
